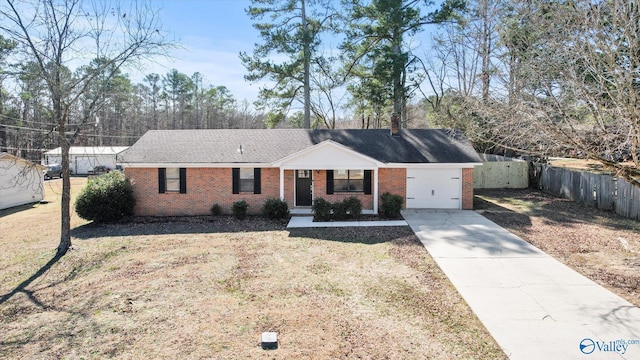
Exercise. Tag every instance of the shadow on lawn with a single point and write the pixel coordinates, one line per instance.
(552, 210)
(363, 235)
(71, 270)
(16, 209)
(177, 225)
(502, 216)
(23, 285)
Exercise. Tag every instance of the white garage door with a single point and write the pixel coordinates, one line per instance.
(83, 164)
(434, 189)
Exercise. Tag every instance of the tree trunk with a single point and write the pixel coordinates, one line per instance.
(65, 230)
(3, 130)
(398, 68)
(3, 139)
(307, 60)
(486, 50)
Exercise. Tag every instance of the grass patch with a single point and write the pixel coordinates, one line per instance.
(139, 290)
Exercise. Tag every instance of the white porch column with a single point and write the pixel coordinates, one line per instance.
(281, 183)
(375, 190)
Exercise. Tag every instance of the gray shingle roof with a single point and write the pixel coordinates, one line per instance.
(270, 145)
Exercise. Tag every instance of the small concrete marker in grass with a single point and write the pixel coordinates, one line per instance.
(269, 340)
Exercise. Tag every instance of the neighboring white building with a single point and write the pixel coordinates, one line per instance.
(21, 181)
(84, 158)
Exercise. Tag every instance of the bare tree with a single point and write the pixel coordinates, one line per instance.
(58, 35)
(563, 79)
(582, 84)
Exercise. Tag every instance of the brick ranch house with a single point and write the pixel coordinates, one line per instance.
(185, 172)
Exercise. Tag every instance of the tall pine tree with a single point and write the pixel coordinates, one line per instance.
(289, 28)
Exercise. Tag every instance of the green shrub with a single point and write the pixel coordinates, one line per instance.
(106, 198)
(240, 209)
(324, 210)
(321, 209)
(215, 210)
(391, 205)
(340, 210)
(354, 206)
(275, 209)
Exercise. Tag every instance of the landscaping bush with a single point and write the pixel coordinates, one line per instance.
(275, 209)
(106, 198)
(216, 209)
(391, 205)
(340, 210)
(326, 211)
(240, 209)
(354, 207)
(321, 209)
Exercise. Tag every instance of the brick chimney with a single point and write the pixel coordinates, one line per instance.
(395, 124)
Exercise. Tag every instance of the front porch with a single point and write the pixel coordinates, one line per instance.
(330, 171)
(300, 187)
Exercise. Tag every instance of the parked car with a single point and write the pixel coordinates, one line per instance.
(99, 170)
(52, 170)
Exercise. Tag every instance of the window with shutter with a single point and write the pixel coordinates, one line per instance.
(172, 180)
(246, 180)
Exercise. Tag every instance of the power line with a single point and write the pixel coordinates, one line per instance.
(24, 128)
(71, 132)
(24, 149)
(26, 121)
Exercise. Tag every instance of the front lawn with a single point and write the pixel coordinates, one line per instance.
(195, 288)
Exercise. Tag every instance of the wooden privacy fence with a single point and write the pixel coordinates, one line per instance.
(499, 172)
(603, 191)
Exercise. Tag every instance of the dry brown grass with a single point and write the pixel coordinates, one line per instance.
(600, 244)
(192, 288)
(585, 164)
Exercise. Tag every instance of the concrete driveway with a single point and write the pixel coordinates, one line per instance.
(533, 305)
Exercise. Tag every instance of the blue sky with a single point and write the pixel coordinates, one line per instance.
(211, 33)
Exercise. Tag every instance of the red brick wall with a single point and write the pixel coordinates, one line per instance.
(467, 189)
(393, 181)
(205, 187)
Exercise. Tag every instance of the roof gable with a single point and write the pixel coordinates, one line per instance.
(4, 156)
(327, 155)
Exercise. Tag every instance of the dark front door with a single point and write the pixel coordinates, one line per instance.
(303, 187)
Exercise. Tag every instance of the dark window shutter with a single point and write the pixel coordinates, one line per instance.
(235, 172)
(367, 182)
(183, 180)
(162, 180)
(256, 181)
(329, 182)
